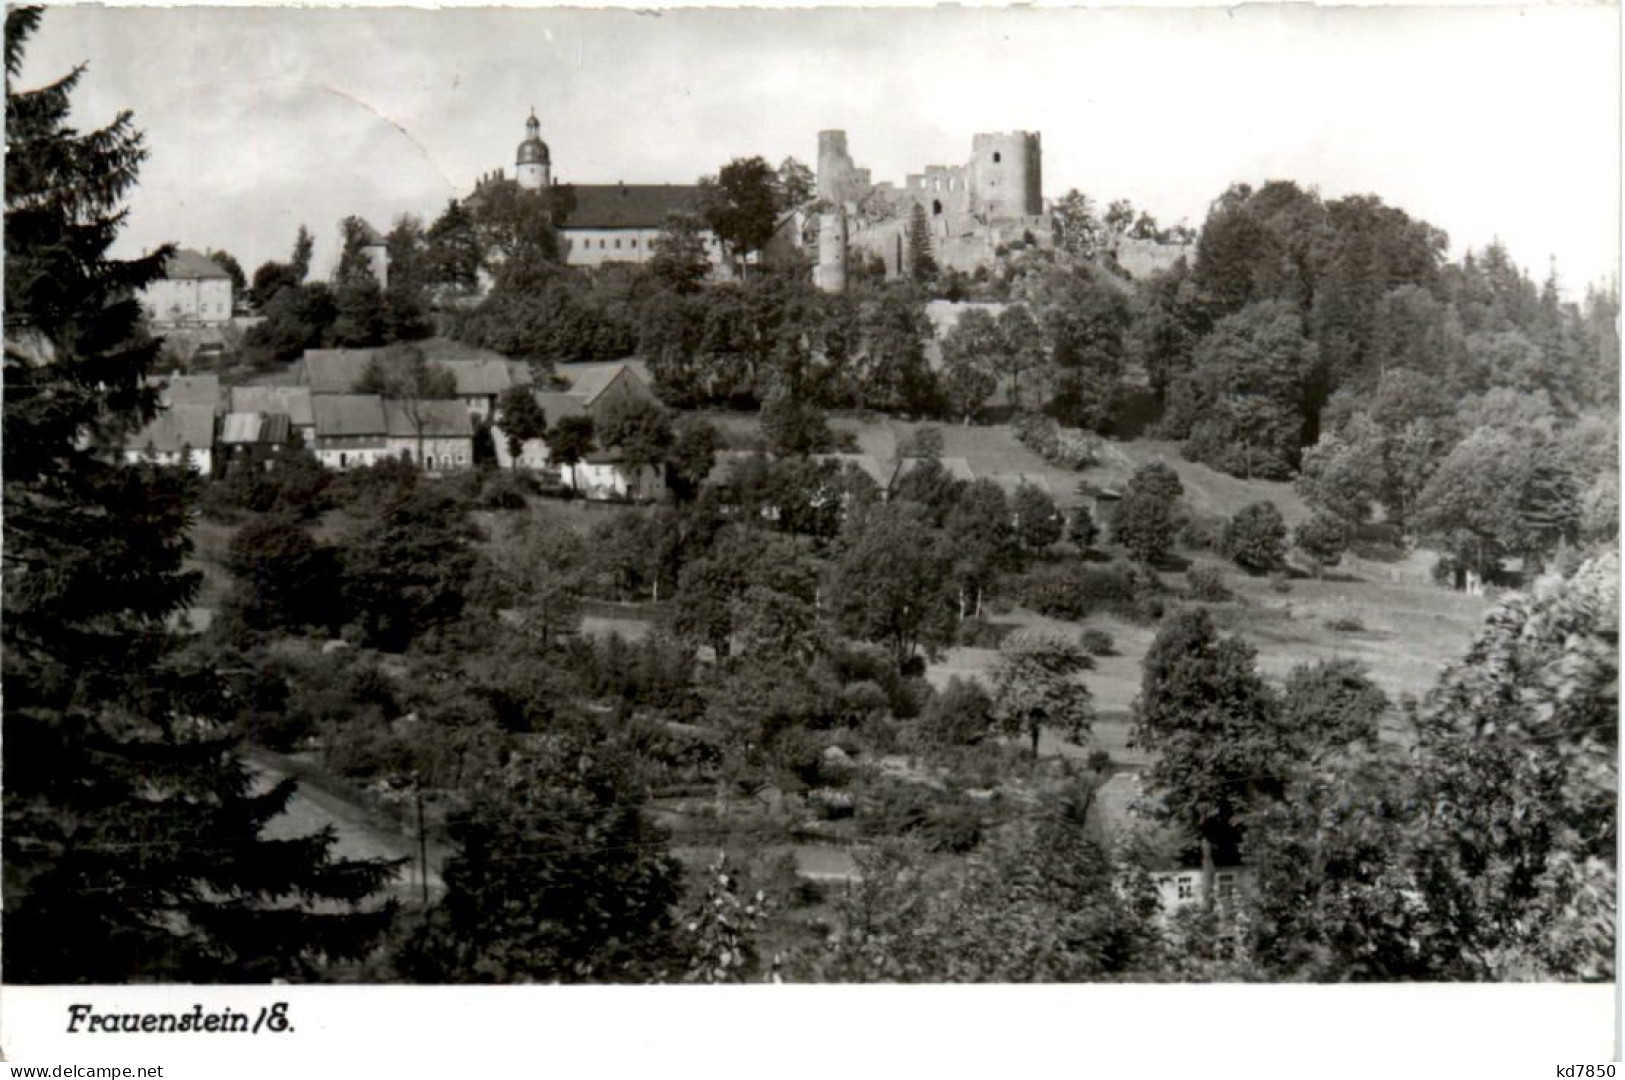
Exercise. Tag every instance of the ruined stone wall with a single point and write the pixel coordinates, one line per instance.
(943, 190)
(1142, 258)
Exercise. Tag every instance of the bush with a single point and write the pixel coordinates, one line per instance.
(506, 490)
(1062, 447)
(1324, 539)
(1096, 642)
(368, 490)
(1206, 584)
(1345, 624)
(961, 715)
(1099, 761)
(1255, 539)
(1074, 590)
(941, 824)
(1202, 532)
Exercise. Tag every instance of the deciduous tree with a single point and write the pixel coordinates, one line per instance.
(1035, 686)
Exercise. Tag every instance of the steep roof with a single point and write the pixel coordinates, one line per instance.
(878, 471)
(176, 426)
(627, 206)
(292, 401)
(189, 265)
(348, 414)
(589, 381)
(440, 420)
(335, 371)
(558, 406)
(479, 378)
(190, 390)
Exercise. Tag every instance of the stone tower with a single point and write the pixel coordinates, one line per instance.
(840, 185)
(534, 164)
(1007, 175)
(830, 273)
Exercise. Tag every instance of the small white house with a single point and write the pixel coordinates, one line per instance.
(604, 476)
(181, 434)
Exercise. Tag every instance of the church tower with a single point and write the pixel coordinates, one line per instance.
(534, 164)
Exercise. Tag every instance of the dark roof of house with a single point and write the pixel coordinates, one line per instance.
(190, 390)
(589, 381)
(176, 426)
(189, 265)
(293, 401)
(558, 406)
(480, 378)
(348, 414)
(334, 371)
(628, 206)
(440, 420)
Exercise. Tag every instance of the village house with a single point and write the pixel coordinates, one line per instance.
(194, 291)
(350, 430)
(436, 435)
(593, 387)
(481, 383)
(290, 401)
(1180, 884)
(605, 475)
(253, 437)
(180, 434)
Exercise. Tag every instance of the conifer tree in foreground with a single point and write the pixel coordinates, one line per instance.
(133, 833)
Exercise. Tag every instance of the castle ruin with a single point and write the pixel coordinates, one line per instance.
(971, 209)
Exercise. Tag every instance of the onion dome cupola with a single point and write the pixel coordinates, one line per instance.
(533, 151)
(534, 163)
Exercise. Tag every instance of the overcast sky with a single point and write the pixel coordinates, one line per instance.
(1485, 122)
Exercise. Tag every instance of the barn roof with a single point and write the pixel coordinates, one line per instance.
(627, 206)
(480, 378)
(348, 414)
(176, 426)
(440, 420)
(292, 401)
(190, 390)
(588, 381)
(557, 406)
(335, 371)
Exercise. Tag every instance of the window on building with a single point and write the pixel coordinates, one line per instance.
(996, 158)
(1225, 885)
(1187, 889)
(617, 245)
(936, 206)
(634, 241)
